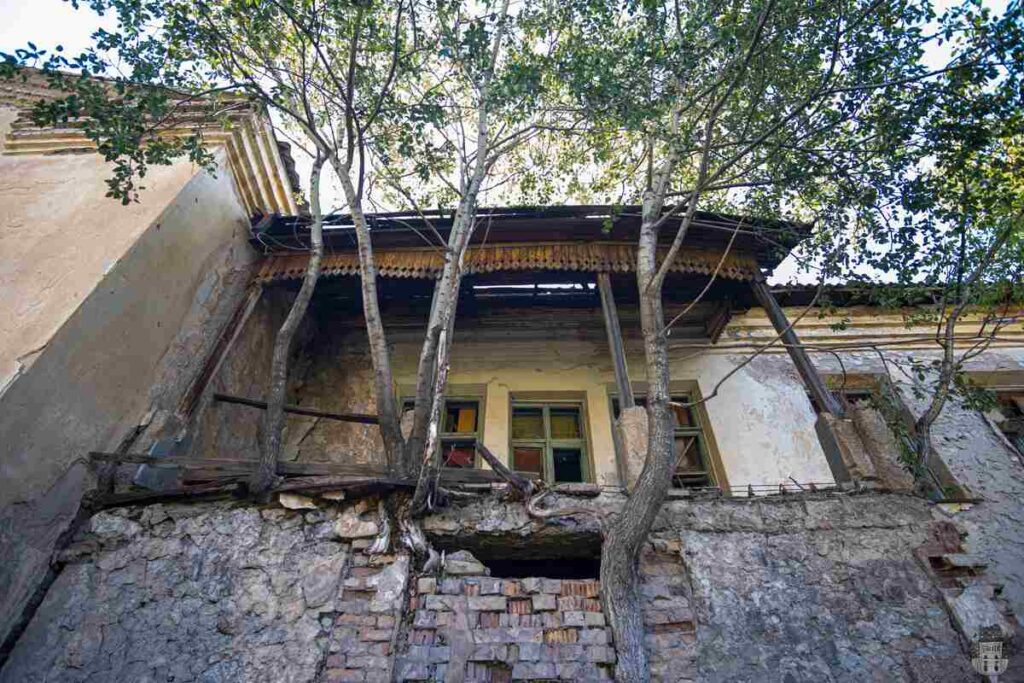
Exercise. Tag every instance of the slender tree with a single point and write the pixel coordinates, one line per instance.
(960, 236)
(400, 95)
(775, 108)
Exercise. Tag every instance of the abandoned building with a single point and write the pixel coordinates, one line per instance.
(134, 348)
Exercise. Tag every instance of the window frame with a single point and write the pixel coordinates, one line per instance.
(698, 430)
(461, 395)
(547, 444)
(1016, 398)
(676, 387)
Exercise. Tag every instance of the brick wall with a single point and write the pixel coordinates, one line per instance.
(506, 629)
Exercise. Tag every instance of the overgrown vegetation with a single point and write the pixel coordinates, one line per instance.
(896, 130)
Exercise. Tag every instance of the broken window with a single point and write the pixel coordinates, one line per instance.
(548, 442)
(693, 469)
(1010, 417)
(459, 430)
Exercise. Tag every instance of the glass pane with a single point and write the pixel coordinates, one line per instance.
(688, 454)
(683, 416)
(565, 423)
(527, 423)
(528, 459)
(458, 454)
(568, 464)
(460, 417)
(690, 469)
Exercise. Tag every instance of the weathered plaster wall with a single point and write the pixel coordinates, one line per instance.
(979, 459)
(7, 117)
(126, 302)
(801, 588)
(760, 419)
(227, 430)
(59, 237)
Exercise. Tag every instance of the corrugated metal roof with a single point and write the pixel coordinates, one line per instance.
(577, 256)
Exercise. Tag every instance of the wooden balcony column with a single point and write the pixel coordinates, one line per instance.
(812, 380)
(615, 346)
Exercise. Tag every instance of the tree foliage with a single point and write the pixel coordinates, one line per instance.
(895, 129)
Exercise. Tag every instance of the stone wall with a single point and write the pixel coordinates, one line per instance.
(980, 459)
(800, 588)
(976, 456)
(120, 345)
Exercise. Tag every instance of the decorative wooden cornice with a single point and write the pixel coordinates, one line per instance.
(252, 154)
(492, 258)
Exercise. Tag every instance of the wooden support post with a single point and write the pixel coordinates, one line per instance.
(299, 410)
(812, 380)
(225, 341)
(611, 326)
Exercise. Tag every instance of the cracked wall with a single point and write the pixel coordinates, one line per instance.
(763, 409)
(130, 302)
(801, 588)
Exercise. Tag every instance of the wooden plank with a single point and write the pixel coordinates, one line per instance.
(335, 483)
(215, 360)
(242, 465)
(214, 490)
(298, 410)
(614, 331)
(809, 374)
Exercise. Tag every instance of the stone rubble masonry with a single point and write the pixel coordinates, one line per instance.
(188, 592)
(798, 588)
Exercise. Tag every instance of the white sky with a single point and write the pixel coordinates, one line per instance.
(52, 22)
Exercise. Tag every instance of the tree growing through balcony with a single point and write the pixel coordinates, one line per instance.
(829, 110)
(406, 101)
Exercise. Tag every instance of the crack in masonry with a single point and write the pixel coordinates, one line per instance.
(53, 571)
(398, 630)
(321, 666)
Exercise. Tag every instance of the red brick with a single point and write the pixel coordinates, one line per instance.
(490, 619)
(561, 635)
(375, 635)
(520, 606)
(422, 636)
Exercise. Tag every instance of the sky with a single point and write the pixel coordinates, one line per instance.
(52, 22)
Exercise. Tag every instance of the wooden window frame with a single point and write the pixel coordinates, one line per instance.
(706, 444)
(462, 395)
(548, 445)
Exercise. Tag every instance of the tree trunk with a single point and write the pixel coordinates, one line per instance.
(273, 418)
(425, 484)
(949, 366)
(383, 382)
(430, 382)
(627, 533)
